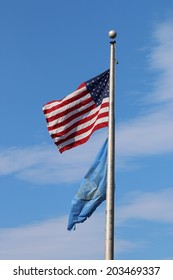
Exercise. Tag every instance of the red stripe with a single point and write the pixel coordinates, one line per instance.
(74, 116)
(64, 102)
(75, 125)
(81, 131)
(71, 109)
(83, 140)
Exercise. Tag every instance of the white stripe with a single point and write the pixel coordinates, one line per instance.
(56, 102)
(82, 116)
(79, 127)
(66, 116)
(58, 121)
(70, 104)
(82, 136)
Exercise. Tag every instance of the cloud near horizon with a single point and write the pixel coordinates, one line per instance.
(49, 239)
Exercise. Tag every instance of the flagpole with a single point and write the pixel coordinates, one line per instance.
(109, 232)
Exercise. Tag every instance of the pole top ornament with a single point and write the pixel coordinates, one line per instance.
(112, 34)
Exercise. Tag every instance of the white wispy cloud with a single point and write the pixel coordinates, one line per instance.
(147, 135)
(44, 164)
(51, 240)
(160, 60)
(151, 132)
(154, 206)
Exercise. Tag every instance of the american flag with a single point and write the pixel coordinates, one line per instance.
(72, 120)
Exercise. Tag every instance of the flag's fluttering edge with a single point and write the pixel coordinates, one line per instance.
(92, 191)
(72, 120)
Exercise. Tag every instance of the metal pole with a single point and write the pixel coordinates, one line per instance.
(109, 234)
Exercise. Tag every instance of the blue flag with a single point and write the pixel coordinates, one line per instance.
(92, 190)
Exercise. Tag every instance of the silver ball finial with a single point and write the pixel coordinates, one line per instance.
(112, 34)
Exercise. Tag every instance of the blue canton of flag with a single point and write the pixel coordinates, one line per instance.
(92, 190)
(99, 87)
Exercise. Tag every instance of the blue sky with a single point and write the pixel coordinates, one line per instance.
(47, 49)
